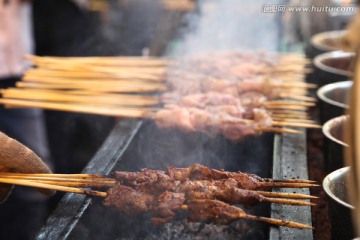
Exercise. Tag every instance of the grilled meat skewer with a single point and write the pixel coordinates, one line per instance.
(200, 181)
(205, 210)
(228, 191)
(164, 207)
(244, 180)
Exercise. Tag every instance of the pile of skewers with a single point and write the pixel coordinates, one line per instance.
(205, 195)
(235, 94)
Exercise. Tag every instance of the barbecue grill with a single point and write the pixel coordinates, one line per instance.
(136, 144)
(133, 145)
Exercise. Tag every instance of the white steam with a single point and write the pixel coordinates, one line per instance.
(222, 25)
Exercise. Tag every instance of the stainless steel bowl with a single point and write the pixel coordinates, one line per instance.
(336, 94)
(334, 143)
(334, 129)
(322, 62)
(328, 41)
(335, 186)
(334, 99)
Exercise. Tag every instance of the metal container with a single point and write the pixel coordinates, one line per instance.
(325, 42)
(333, 67)
(334, 99)
(334, 144)
(336, 187)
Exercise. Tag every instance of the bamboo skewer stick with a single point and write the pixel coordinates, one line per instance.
(285, 113)
(132, 97)
(279, 130)
(285, 195)
(295, 124)
(59, 175)
(289, 180)
(75, 183)
(97, 88)
(34, 74)
(288, 103)
(295, 84)
(29, 183)
(88, 77)
(275, 117)
(59, 178)
(285, 185)
(284, 58)
(63, 96)
(70, 67)
(82, 108)
(116, 60)
(103, 82)
(300, 98)
(288, 202)
(59, 71)
(278, 222)
(98, 82)
(64, 180)
(289, 107)
(293, 120)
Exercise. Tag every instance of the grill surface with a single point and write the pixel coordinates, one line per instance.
(134, 144)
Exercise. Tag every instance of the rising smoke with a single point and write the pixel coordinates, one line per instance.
(227, 25)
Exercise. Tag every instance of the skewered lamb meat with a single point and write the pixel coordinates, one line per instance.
(244, 180)
(204, 194)
(227, 120)
(128, 200)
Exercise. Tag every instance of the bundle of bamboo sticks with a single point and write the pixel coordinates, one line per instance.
(74, 183)
(125, 86)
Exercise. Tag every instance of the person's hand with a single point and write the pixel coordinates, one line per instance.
(15, 157)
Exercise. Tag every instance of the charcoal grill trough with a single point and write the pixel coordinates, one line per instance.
(133, 145)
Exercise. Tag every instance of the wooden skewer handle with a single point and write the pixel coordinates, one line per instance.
(52, 187)
(279, 222)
